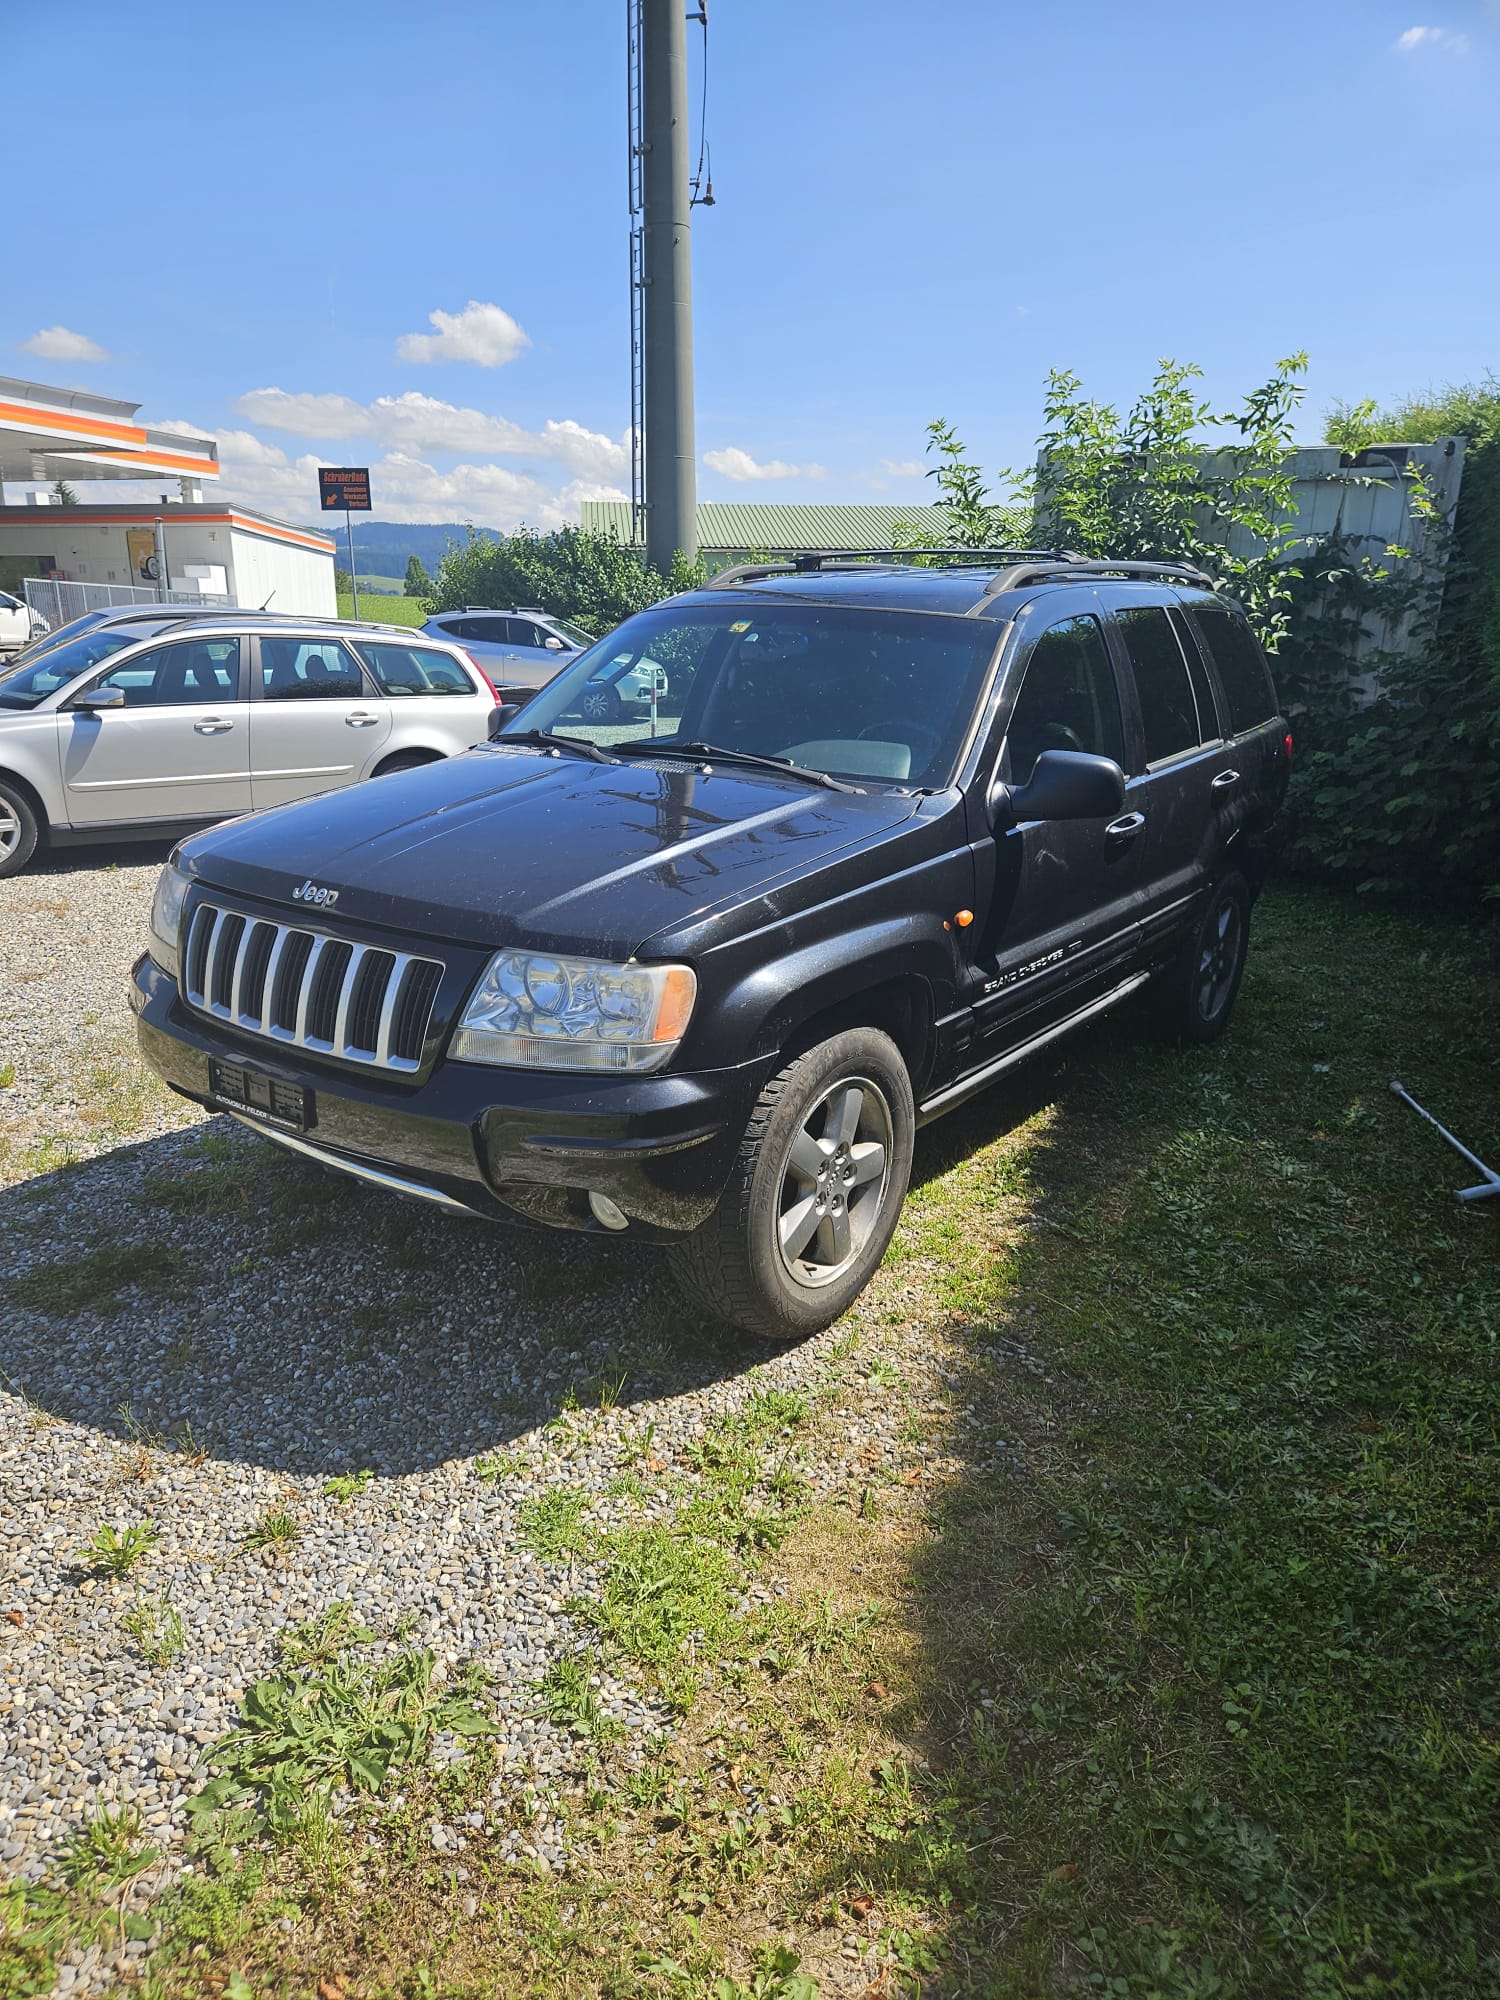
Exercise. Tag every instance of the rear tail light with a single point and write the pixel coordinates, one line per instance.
(496, 692)
(1286, 744)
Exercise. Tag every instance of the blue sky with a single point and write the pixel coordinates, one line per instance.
(408, 222)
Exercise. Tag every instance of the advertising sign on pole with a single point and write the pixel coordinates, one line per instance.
(346, 486)
(141, 544)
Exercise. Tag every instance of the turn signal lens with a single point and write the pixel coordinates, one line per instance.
(1286, 743)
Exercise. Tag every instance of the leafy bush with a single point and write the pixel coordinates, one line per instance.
(1404, 795)
(571, 573)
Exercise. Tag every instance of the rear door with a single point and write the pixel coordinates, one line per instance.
(316, 720)
(1057, 903)
(178, 748)
(434, 700)
(1176, 761)
(1251, 772)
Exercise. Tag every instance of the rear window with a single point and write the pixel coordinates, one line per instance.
(1169, 711)
(1243, 674)
(403, 671)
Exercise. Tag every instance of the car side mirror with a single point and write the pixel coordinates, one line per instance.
(553, 644)
(499, 717)
(102, 697)
(1064, 784)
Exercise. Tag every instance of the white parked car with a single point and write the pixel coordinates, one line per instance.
(19, 624)
(149, 729)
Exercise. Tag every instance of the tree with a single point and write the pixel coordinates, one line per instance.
(64, 495)
(418, 582)
(343, 582)
(572, 573)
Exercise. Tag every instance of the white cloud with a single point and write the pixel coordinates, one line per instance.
(405, 487)
(415, 423)
(60, 343)
(901, 468)
(733, 463)
(483, 334)
(1412, 39)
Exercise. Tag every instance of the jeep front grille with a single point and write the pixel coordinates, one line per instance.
(309, 990)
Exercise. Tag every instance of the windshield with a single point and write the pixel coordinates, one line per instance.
(574, 632)
(855, 692)
(29, 683)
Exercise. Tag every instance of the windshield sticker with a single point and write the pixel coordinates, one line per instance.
(740, 625)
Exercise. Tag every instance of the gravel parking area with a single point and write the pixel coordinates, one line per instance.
(70, 1082)
(201, 1334)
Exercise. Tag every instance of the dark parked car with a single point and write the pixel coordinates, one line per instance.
(896, 831)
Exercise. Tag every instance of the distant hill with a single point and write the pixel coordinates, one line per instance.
(382, 548)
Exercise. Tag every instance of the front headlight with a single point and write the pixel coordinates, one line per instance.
(166, 917)
(533, 1010)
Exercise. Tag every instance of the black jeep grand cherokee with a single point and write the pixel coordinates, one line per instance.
(699, 976)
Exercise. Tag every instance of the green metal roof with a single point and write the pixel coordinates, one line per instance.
(773, 527)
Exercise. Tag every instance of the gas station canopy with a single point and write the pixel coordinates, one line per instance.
(50, 434)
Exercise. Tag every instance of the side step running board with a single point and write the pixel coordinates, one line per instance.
(969, 1086)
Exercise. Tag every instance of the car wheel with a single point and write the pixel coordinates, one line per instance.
(1198, 990)
(599, 704)
(816, 1194)
(19, 832)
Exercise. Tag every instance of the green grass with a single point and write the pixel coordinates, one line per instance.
(384, 610)
(98, 1278)
(1178, 1676)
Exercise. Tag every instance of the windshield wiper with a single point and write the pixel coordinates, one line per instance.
(712, 753)
(543, 739)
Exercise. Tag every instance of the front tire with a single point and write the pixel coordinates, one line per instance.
(599, 705)
(19, 831)
(1198, 990)
(816, 1195)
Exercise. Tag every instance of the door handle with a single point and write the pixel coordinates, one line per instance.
(361, 720)
(213, 725)
(1225, 782)
(1126, 827)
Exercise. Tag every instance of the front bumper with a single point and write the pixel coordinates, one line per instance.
(509, 1144)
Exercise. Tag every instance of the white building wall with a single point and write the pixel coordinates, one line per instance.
(256, 566)
(292, 578)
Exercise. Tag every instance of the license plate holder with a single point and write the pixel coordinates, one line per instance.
(269, 1098)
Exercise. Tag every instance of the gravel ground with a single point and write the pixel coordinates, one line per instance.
(70, 930)
(274, 1327)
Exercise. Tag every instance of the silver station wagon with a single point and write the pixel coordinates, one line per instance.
(151, 728)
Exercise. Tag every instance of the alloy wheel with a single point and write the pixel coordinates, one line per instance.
(1218, 960)
(10, 829)
(834, 1181)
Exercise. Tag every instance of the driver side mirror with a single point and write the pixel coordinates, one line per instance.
(506, 712)
(1064, 784)
(553, 643)
(99, 697)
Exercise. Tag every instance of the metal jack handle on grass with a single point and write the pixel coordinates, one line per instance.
(1491, 1182)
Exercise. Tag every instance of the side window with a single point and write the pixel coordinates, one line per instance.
(1243, 673)
(308, 670)
(1203, 693)
(193, 671)
(402, 671)
(1169, 712)
(524, 633)
(1068, 700)
(493, 631)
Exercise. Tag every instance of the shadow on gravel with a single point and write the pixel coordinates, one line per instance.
(204, 1287)
(89, 860)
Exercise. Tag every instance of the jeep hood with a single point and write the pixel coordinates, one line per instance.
(502, 847)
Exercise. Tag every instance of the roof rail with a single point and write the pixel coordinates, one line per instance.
(815, 560)
(1073, 569)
